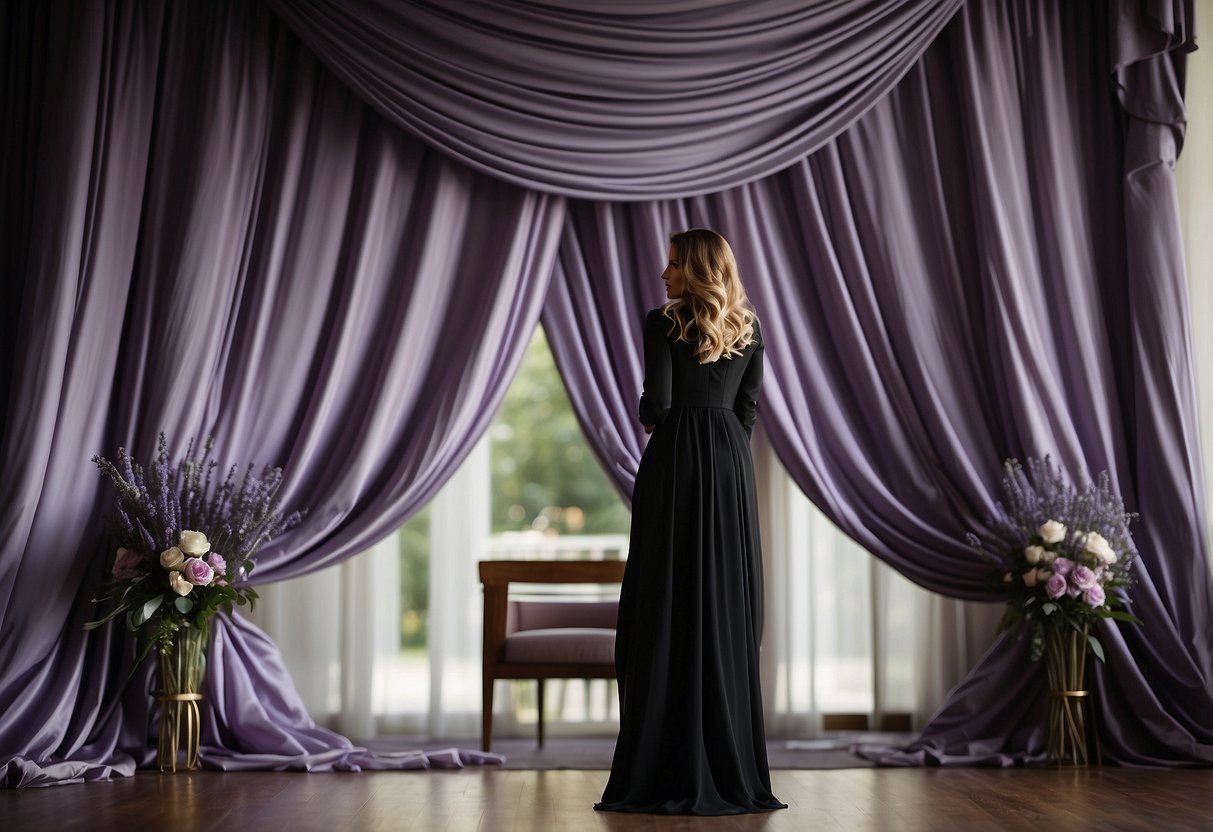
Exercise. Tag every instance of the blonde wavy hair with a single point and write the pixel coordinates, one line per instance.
(720, 321)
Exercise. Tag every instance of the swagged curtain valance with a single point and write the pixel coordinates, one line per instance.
(621, 100)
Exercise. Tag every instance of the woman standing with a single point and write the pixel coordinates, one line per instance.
(690, 612)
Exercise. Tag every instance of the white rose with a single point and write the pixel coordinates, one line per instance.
(1042, 575)
(1053, 532)
(194, 543)
(1029, 578)
(1047, 556)
(1033, 554)
(172, 558)
(1098, 546)
(179, 584)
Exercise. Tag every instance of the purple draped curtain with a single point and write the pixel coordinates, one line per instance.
(215, 236)
(972, 271)
(621, 100)
(224, 240)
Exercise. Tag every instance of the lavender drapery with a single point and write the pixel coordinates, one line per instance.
(621, 100)
(945, 285)
(82, 257)
(224, 240)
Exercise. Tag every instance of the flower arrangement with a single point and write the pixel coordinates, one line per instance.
(184, 542)
(1063, 554)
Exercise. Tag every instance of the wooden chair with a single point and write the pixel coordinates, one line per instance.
(545, 639)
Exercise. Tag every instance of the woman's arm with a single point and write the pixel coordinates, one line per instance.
(655, 398)
(746, 404)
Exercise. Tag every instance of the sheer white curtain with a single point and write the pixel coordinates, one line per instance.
(339, 629)
(335, 628)
(1194, 175)
(845, 634)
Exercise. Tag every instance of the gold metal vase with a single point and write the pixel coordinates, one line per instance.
(182, 663)
(1071, 720)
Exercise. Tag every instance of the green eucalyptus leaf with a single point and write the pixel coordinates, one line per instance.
(150, 606)
(1036, 647)
(1049, 607)
(183, 604)
(1096, 647)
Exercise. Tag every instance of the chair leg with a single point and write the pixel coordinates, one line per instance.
(540, 683)
(486, 714)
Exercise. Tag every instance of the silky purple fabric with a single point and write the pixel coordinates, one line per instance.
(225, 241)
(621, 100)
(947, 284)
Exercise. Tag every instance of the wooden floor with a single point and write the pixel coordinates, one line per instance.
(491, 800)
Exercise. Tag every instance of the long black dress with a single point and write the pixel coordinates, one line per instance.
(690, 612)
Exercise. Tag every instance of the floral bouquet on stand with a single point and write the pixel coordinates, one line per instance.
(1063, 556)
(184, 545)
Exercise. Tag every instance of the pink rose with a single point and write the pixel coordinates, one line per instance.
(217, 563)
(1083, 577)
(198, 572)
(1055, 587)
(1063, 566)
(1094, 596)
(126, 564)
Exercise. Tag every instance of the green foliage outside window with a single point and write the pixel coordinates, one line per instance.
(415, 579)
(544, 474)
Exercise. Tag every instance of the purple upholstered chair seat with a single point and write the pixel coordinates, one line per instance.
(566, 645)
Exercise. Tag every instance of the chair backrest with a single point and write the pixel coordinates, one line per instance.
(549, 615)
(497, 575)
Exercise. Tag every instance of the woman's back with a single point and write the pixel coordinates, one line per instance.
(675, 378)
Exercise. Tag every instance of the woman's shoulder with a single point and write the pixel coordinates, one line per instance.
(656, 325)
(657, 319)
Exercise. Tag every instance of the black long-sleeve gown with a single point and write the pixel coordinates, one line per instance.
(691, 735)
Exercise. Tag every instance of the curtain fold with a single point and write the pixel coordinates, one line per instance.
(621, 100)
(225, 241)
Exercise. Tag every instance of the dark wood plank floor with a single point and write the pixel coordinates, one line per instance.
(494, 800)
